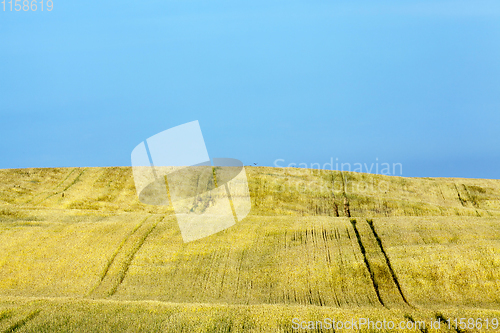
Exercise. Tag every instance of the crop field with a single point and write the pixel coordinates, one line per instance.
(80, 253)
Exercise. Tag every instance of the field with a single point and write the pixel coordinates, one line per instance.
(81, 253)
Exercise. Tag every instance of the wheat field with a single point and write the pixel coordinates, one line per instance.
(80, 253)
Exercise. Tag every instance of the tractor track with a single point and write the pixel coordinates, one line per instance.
(384, 280)
(118, 265)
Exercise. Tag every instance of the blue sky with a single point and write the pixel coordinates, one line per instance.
(410, 82)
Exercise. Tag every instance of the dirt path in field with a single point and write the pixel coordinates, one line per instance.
(385, 281)
(119, 263)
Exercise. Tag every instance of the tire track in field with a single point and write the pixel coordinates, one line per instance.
(384, 279)
(118, 265)
(20, 323)
(56, 190)
(388, 262)
(6, 315)
(53, 189)
(112, 259)
(367, 263)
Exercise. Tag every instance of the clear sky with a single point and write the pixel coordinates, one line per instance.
(410, 82)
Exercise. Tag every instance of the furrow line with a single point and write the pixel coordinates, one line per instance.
(22, 322)
(388, 262)
(367, 264)
(113, 257)
(130, 258)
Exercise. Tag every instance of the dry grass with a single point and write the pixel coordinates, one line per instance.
(274, 191)
(56, 257)
(305, 192)
(433, 248)
(261, 260)
(445, 261)
(71, 315)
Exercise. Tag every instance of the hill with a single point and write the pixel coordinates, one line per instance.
(81, 253)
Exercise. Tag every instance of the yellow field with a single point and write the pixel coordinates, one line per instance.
(81, 253)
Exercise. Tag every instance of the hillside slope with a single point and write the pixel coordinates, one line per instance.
(78, 242)
(274, 191)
